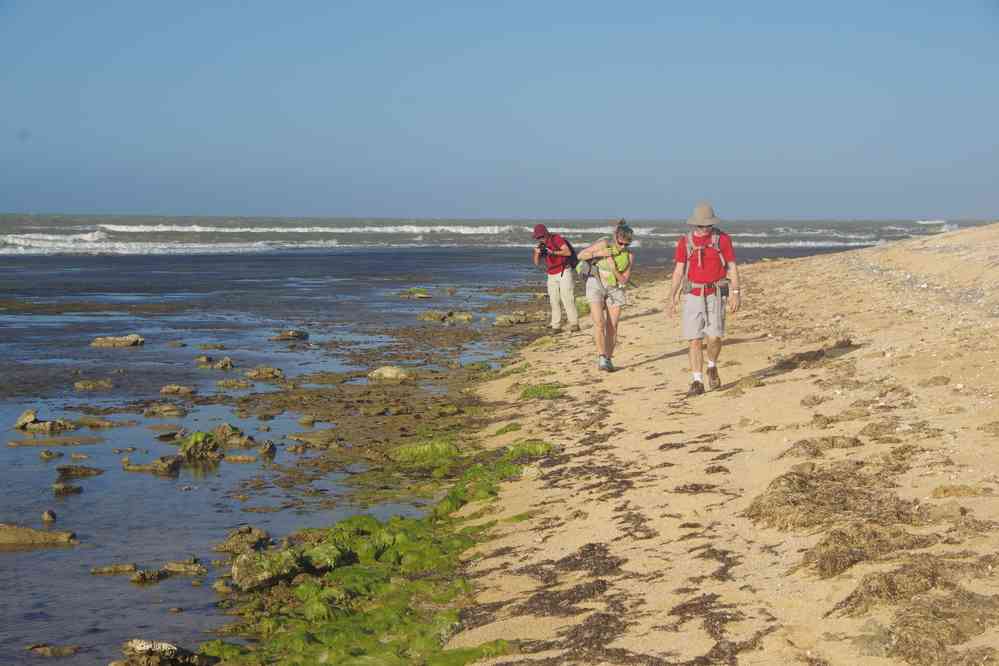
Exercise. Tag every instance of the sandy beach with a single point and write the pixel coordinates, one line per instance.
(834, 503)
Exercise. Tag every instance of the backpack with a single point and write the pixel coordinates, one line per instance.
(573, 259)
(715, 244)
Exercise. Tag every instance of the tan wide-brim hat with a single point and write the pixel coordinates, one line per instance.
(703, 216)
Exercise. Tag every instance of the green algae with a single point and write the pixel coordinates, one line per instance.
(381, 592)
(508, 428)
(548, 391)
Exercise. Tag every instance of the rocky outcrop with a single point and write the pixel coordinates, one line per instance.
(243, 539)
(265, 373)
(389, 373)
(114, 570)
(290, 335)
(77, 472)
(140, 652)
(66, 489)
(256, 571)
(93, 385)
(148, 576)
(46, 650)
(165, 410)
(162, 466)
(201, 447)
(29, 422)
(512, 319)
(188, 567)
(234, 384)
(28, 537)
(131, 340)
(177, 389)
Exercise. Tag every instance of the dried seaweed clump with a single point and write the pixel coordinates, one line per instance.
(809, 495)
(843, 547)
(814, 447)
(925, 630)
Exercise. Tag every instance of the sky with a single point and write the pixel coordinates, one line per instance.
(515, 109)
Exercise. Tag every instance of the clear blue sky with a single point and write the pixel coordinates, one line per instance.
(510, 109)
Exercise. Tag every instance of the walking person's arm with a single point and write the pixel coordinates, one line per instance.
(677, 281)
(623, 278)
(537, 255)
(734, 291)
(594, 251)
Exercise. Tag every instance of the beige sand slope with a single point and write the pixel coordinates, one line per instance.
(837, 502)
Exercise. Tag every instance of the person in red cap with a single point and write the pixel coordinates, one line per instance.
(561, 278)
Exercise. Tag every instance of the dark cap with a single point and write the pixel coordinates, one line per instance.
(540, 231)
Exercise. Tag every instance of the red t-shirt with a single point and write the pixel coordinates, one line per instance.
(710, 268)
(555, 262)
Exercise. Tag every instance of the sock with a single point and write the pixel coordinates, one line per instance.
(698, 377)
(711, 364)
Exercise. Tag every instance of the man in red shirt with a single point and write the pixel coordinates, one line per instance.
(561, 278)
(708, 276)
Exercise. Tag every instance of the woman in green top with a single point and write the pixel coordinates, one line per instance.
(605, 288)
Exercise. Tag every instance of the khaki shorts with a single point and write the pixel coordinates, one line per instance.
(702, 316)
(596, 292)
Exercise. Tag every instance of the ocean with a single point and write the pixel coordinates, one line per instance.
(65, 280)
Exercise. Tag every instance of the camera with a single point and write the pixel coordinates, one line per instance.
(542, 249)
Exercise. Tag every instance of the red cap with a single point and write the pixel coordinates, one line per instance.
(540, 231)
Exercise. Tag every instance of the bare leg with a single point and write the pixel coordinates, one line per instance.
(598, 316)
(613, 316)
(714, 349)
(696, 355)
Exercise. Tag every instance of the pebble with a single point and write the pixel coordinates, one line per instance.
(48, 516)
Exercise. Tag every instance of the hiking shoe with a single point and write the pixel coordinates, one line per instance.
(575, 328)
(696, 388)
(714, 381)
(610, 366)
(603, 363)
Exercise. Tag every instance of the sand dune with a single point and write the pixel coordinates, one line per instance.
(837, 502)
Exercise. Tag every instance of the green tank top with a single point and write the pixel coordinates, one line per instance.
(621, 259)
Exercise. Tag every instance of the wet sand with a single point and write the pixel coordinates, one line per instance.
(836, 502)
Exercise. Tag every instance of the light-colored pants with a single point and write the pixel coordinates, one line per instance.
(703, 316)
(560, 289)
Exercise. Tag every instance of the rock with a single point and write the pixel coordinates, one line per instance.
(201, 446)
(462, 316)
(433, 315)
(95, 423)
(232, 437)
(256, 571)
(113, 570)
(230, 458)
(46, 650)
(177, 389)
(319, 439)
(222, 587)
(389, 373)
(176, 344)
(27, 417)
(188, 567)
(48, 516)
(512, 319)
(165, 410)
(307, 421)
(29, 421)
(55, 441)
(77, 472)
(162, 466)
(290, 334)
(268, 450)
(175, 609)
(233, 384)
(130, 449)
(204, 359)
(16, 535)
(148, 576)
(139, 652)
(265, 373)
(243, 539)
(131, 340)
(938, 380)
(224, 364)
(93, 385)
(49, 454)
(212, 345)
(79, 456)
(66, 489)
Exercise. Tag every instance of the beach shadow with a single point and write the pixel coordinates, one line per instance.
(683, 351)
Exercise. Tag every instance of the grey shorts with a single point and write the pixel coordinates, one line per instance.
(702, 316)
(596, 292)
